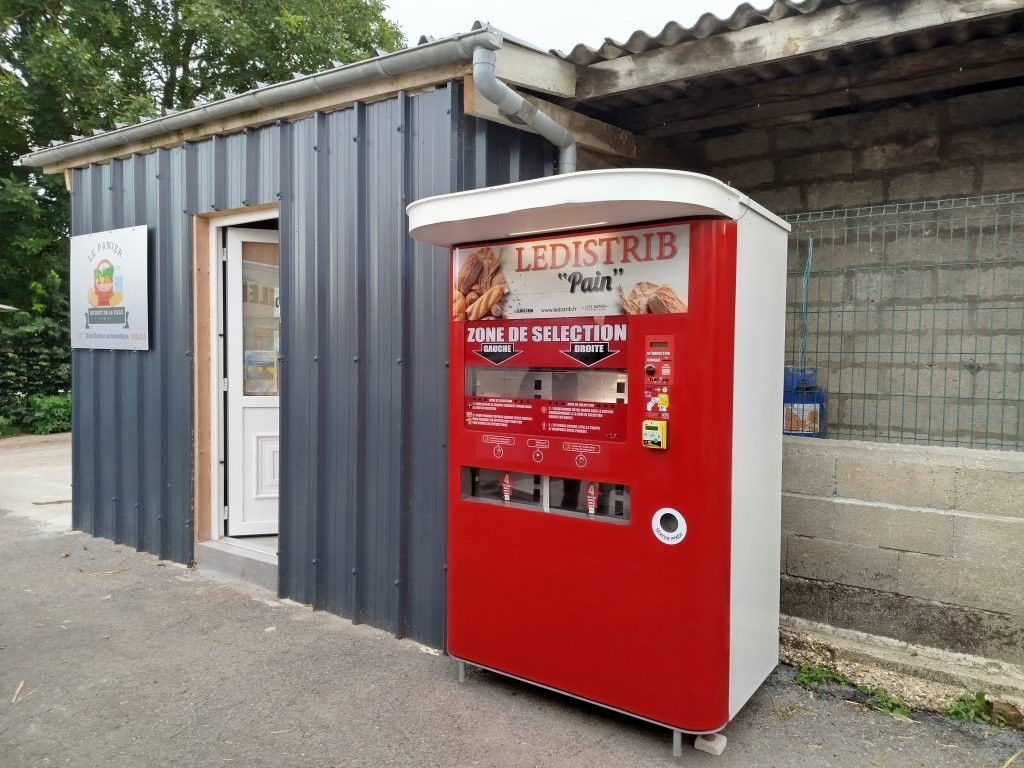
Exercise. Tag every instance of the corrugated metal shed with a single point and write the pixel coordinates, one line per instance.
(364, 346)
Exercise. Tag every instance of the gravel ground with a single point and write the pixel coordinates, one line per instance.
(130, 661)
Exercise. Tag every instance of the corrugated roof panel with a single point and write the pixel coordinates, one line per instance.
(623, 108)
(673, 32)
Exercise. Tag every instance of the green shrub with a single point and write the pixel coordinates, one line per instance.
(35, 361)
(6, 428)
(49, 413)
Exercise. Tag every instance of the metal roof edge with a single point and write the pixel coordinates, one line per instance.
(444, 51)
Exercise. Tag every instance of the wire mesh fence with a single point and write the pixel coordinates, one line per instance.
(906, 322)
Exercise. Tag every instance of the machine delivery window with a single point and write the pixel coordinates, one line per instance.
(566, 495)
(600, 386)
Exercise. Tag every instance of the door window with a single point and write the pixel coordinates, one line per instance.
(261, 317)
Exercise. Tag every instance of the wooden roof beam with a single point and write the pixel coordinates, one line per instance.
(537, 71)
(938, 69)
(788, 38)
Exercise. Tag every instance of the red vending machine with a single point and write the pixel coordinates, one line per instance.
(615, 438)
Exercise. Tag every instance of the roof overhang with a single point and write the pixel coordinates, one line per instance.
(415, 68)
(787, 63)
(792, 63)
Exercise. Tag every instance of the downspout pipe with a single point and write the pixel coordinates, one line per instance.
(519, 110)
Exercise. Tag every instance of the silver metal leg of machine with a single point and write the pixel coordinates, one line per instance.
(462, 671)
(677, 743)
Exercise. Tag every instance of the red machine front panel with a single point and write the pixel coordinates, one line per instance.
(555, 571)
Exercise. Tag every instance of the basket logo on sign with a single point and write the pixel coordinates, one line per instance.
(107, 291)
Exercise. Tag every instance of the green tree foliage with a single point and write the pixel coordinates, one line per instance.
(34, 359)
(67, 68)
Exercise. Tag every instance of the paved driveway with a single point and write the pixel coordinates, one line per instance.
(119, 659)
(35, 478)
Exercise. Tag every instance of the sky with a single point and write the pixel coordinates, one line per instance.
(553, 23)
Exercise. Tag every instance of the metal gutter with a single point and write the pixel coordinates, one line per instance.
(519, 110)
(445, 51)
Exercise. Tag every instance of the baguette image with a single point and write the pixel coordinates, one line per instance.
(480, 287)
(482, 306)
(458, 306)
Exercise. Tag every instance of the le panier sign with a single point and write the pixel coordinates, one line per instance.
(110, 290)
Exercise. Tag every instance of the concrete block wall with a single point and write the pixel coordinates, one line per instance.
(959, 146)
(915, 313)
(920, 543)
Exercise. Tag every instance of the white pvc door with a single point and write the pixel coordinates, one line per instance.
(253, 346)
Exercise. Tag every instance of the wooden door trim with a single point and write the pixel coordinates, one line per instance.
(205, 409)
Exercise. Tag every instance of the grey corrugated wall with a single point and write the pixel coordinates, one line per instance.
(364, 346)
(131, 416)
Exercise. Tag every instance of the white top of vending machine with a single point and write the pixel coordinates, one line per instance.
(574, 201)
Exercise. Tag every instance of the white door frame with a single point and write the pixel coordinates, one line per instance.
(217, 393)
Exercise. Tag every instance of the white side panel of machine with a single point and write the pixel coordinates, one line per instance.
(756, 455)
